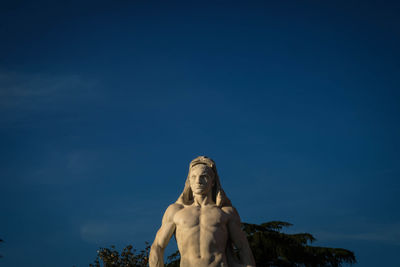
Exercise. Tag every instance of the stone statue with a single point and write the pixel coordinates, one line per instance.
(206, 225)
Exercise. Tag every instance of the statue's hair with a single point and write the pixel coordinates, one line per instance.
(218, 195)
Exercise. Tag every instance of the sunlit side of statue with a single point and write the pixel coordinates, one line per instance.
(205, 224)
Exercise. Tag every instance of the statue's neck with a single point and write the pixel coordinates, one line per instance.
(202, 200)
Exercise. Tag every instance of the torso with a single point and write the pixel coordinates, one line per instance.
(201, 234)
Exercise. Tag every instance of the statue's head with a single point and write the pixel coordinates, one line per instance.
(202, 178)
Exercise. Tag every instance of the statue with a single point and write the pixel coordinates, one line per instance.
(206, 225)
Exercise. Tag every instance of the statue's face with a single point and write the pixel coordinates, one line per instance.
(201, 179)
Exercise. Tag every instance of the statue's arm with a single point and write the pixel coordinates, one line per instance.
(164, 234)
(239, 239)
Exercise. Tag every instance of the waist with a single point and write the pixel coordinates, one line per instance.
(209, 260)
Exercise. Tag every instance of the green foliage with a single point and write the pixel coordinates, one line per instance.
(272, 248)
(173, 260)
(129, 257)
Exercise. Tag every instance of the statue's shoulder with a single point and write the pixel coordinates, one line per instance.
(173, 208)
(230, 211)
(171, 211)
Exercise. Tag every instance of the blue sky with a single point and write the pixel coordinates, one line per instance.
(103, 105)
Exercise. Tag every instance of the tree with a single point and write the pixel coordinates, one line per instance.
(129, 257)
(270, 247)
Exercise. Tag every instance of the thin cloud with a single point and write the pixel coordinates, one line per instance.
(111, 232)
(66, 168)
(29, 91)
(385, 233)
(126, 221)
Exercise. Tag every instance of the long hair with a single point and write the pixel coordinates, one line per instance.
(218, 194)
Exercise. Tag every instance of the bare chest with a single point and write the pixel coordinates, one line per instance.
(192, 217)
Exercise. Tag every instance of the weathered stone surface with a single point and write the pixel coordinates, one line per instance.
(205, 223)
